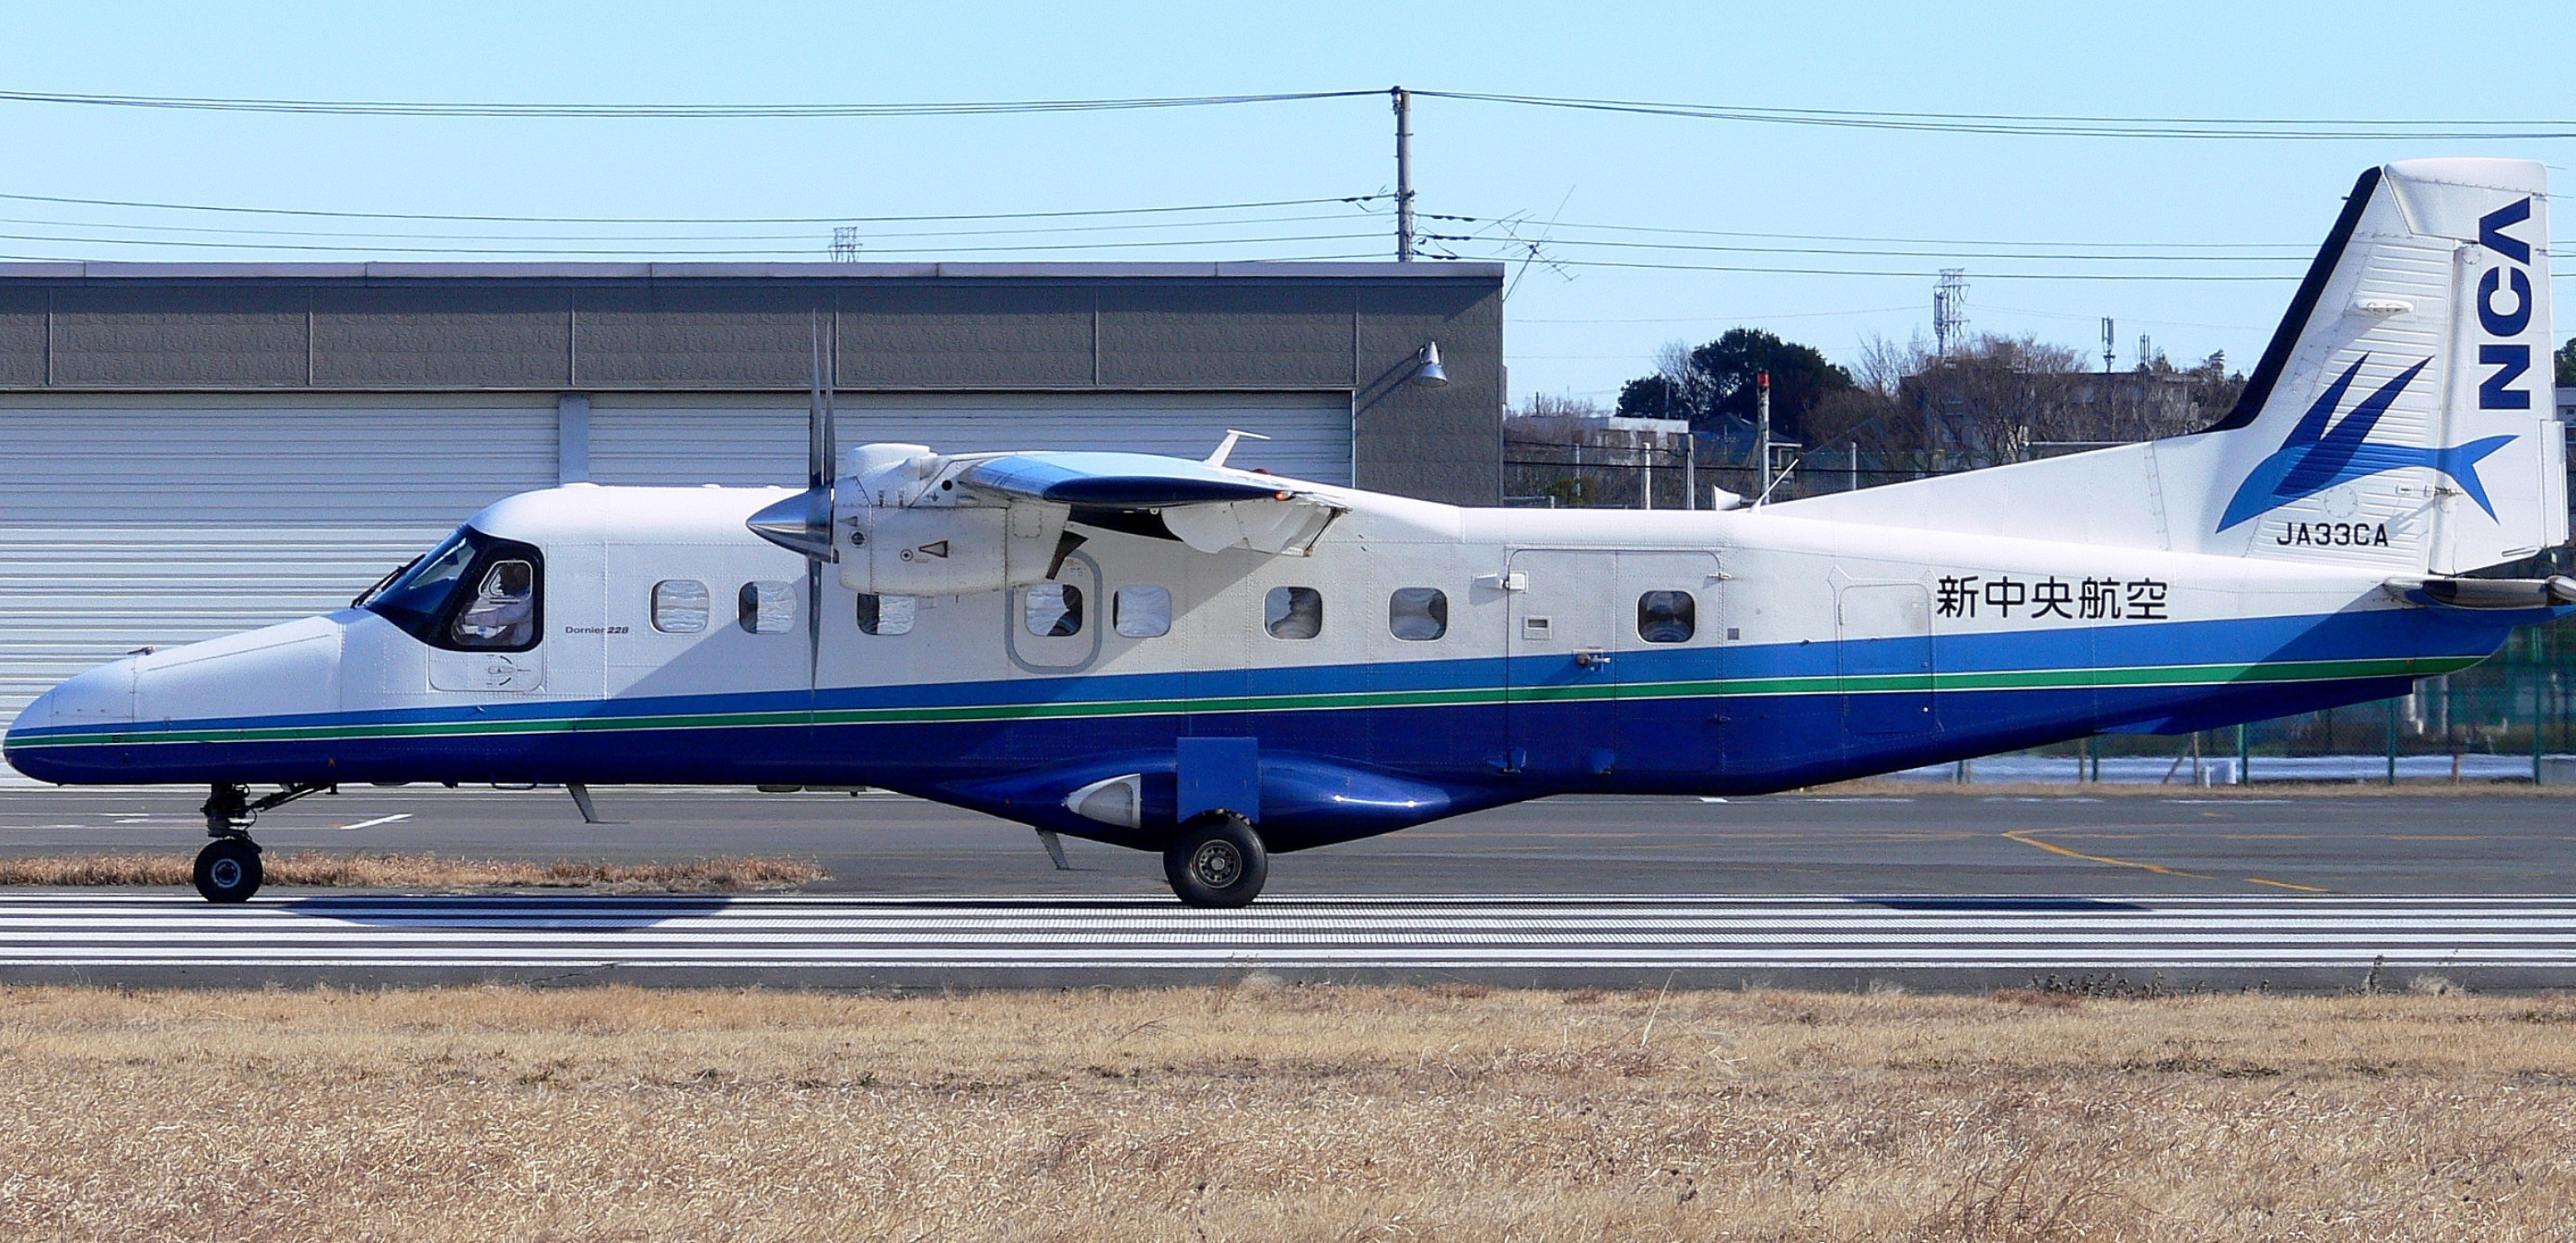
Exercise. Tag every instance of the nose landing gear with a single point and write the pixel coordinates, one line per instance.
(228, 869)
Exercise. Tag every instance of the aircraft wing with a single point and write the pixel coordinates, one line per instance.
(1115, 480)
(1206, 507)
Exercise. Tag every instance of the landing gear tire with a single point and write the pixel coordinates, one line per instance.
(1217, 861)
(228, 870)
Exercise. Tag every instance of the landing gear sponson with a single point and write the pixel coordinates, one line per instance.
(228, 868)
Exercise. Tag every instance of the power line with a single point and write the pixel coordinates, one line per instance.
(2030, 125)
(343, 107)
(2017, 124)
(1926, 273)
(825, 220)
(1228, 222)
(690, 253)
(1893, 241)
(1897, 254)
(1709, 319)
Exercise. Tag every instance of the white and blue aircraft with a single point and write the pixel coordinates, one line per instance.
(1220, 664)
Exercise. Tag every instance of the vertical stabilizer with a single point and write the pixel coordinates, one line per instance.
(2402, 415)
(2400, 421)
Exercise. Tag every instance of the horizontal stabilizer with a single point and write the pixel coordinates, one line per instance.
(2556, 591)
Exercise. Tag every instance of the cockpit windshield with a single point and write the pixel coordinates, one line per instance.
(427, 598)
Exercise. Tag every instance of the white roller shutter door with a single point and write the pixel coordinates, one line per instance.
(153, 520)
(135, 521)
(761, 440)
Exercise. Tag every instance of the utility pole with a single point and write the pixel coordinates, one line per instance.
(2107, 350)
(1690, 500)
(1403, 173)
(1762, 426)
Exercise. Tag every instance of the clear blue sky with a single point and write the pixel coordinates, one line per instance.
(1584, 335)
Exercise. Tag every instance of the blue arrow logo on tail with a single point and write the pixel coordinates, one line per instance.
(2316, 457)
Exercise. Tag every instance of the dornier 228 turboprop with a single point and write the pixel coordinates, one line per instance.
(1220, 664)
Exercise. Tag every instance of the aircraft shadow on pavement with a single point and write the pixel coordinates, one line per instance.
(2003, 904)
(509, 911)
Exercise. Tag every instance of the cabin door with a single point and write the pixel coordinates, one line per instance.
(1560, 661)
(1610, 660)
(1883, 656)
(1671, 633)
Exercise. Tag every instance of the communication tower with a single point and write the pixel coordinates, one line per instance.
(1950, 310)
(845, 243)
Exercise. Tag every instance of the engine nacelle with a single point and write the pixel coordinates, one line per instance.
(902, 527)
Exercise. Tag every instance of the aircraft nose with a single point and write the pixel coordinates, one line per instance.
(101, 697)
(35, 716)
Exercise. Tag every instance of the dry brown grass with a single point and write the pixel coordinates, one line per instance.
(1263, 1113)
(420, 871)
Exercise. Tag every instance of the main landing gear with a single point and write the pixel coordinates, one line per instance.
(1217, 860)
(228, 868)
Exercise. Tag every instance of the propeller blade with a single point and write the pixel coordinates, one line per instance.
(804, 522)
(818, 455)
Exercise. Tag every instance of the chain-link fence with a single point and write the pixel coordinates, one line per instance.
(2508, 719)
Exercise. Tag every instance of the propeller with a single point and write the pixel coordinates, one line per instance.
(803, 523)
(818, 485)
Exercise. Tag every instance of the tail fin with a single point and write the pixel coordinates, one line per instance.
(2401, 418)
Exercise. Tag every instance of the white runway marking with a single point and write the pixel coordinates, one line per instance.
(343, 828)
(286, 929)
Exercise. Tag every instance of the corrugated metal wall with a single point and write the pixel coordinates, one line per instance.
(135, 520)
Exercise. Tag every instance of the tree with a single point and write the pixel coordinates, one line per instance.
(2567, 364)
(1655, 397)
(1714, 386)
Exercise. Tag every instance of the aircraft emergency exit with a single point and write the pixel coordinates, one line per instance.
(1220, 664)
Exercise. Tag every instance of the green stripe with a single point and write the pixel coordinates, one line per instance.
(2035, 679)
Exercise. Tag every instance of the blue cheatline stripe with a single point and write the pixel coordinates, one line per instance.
(2335, 647)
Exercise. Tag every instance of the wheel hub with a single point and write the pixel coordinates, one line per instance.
(1217, 864)
(226, 873)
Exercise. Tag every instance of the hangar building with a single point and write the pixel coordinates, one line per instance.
(189, 450)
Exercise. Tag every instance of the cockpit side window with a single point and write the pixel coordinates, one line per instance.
(474, 592)
(503, 613)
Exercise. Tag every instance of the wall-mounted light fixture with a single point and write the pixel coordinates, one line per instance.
(1430, 374)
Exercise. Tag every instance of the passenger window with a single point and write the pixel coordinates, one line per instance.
(1667, 617)
(1054, 610)
(503, 613)
(1418, 614)
(767, 608)
(1294, 613)
(1141, 612)
(679, 606)
(885, 615)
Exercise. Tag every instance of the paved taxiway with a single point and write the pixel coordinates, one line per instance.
(844, 942)
(1936, 887)
(1928, 843)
